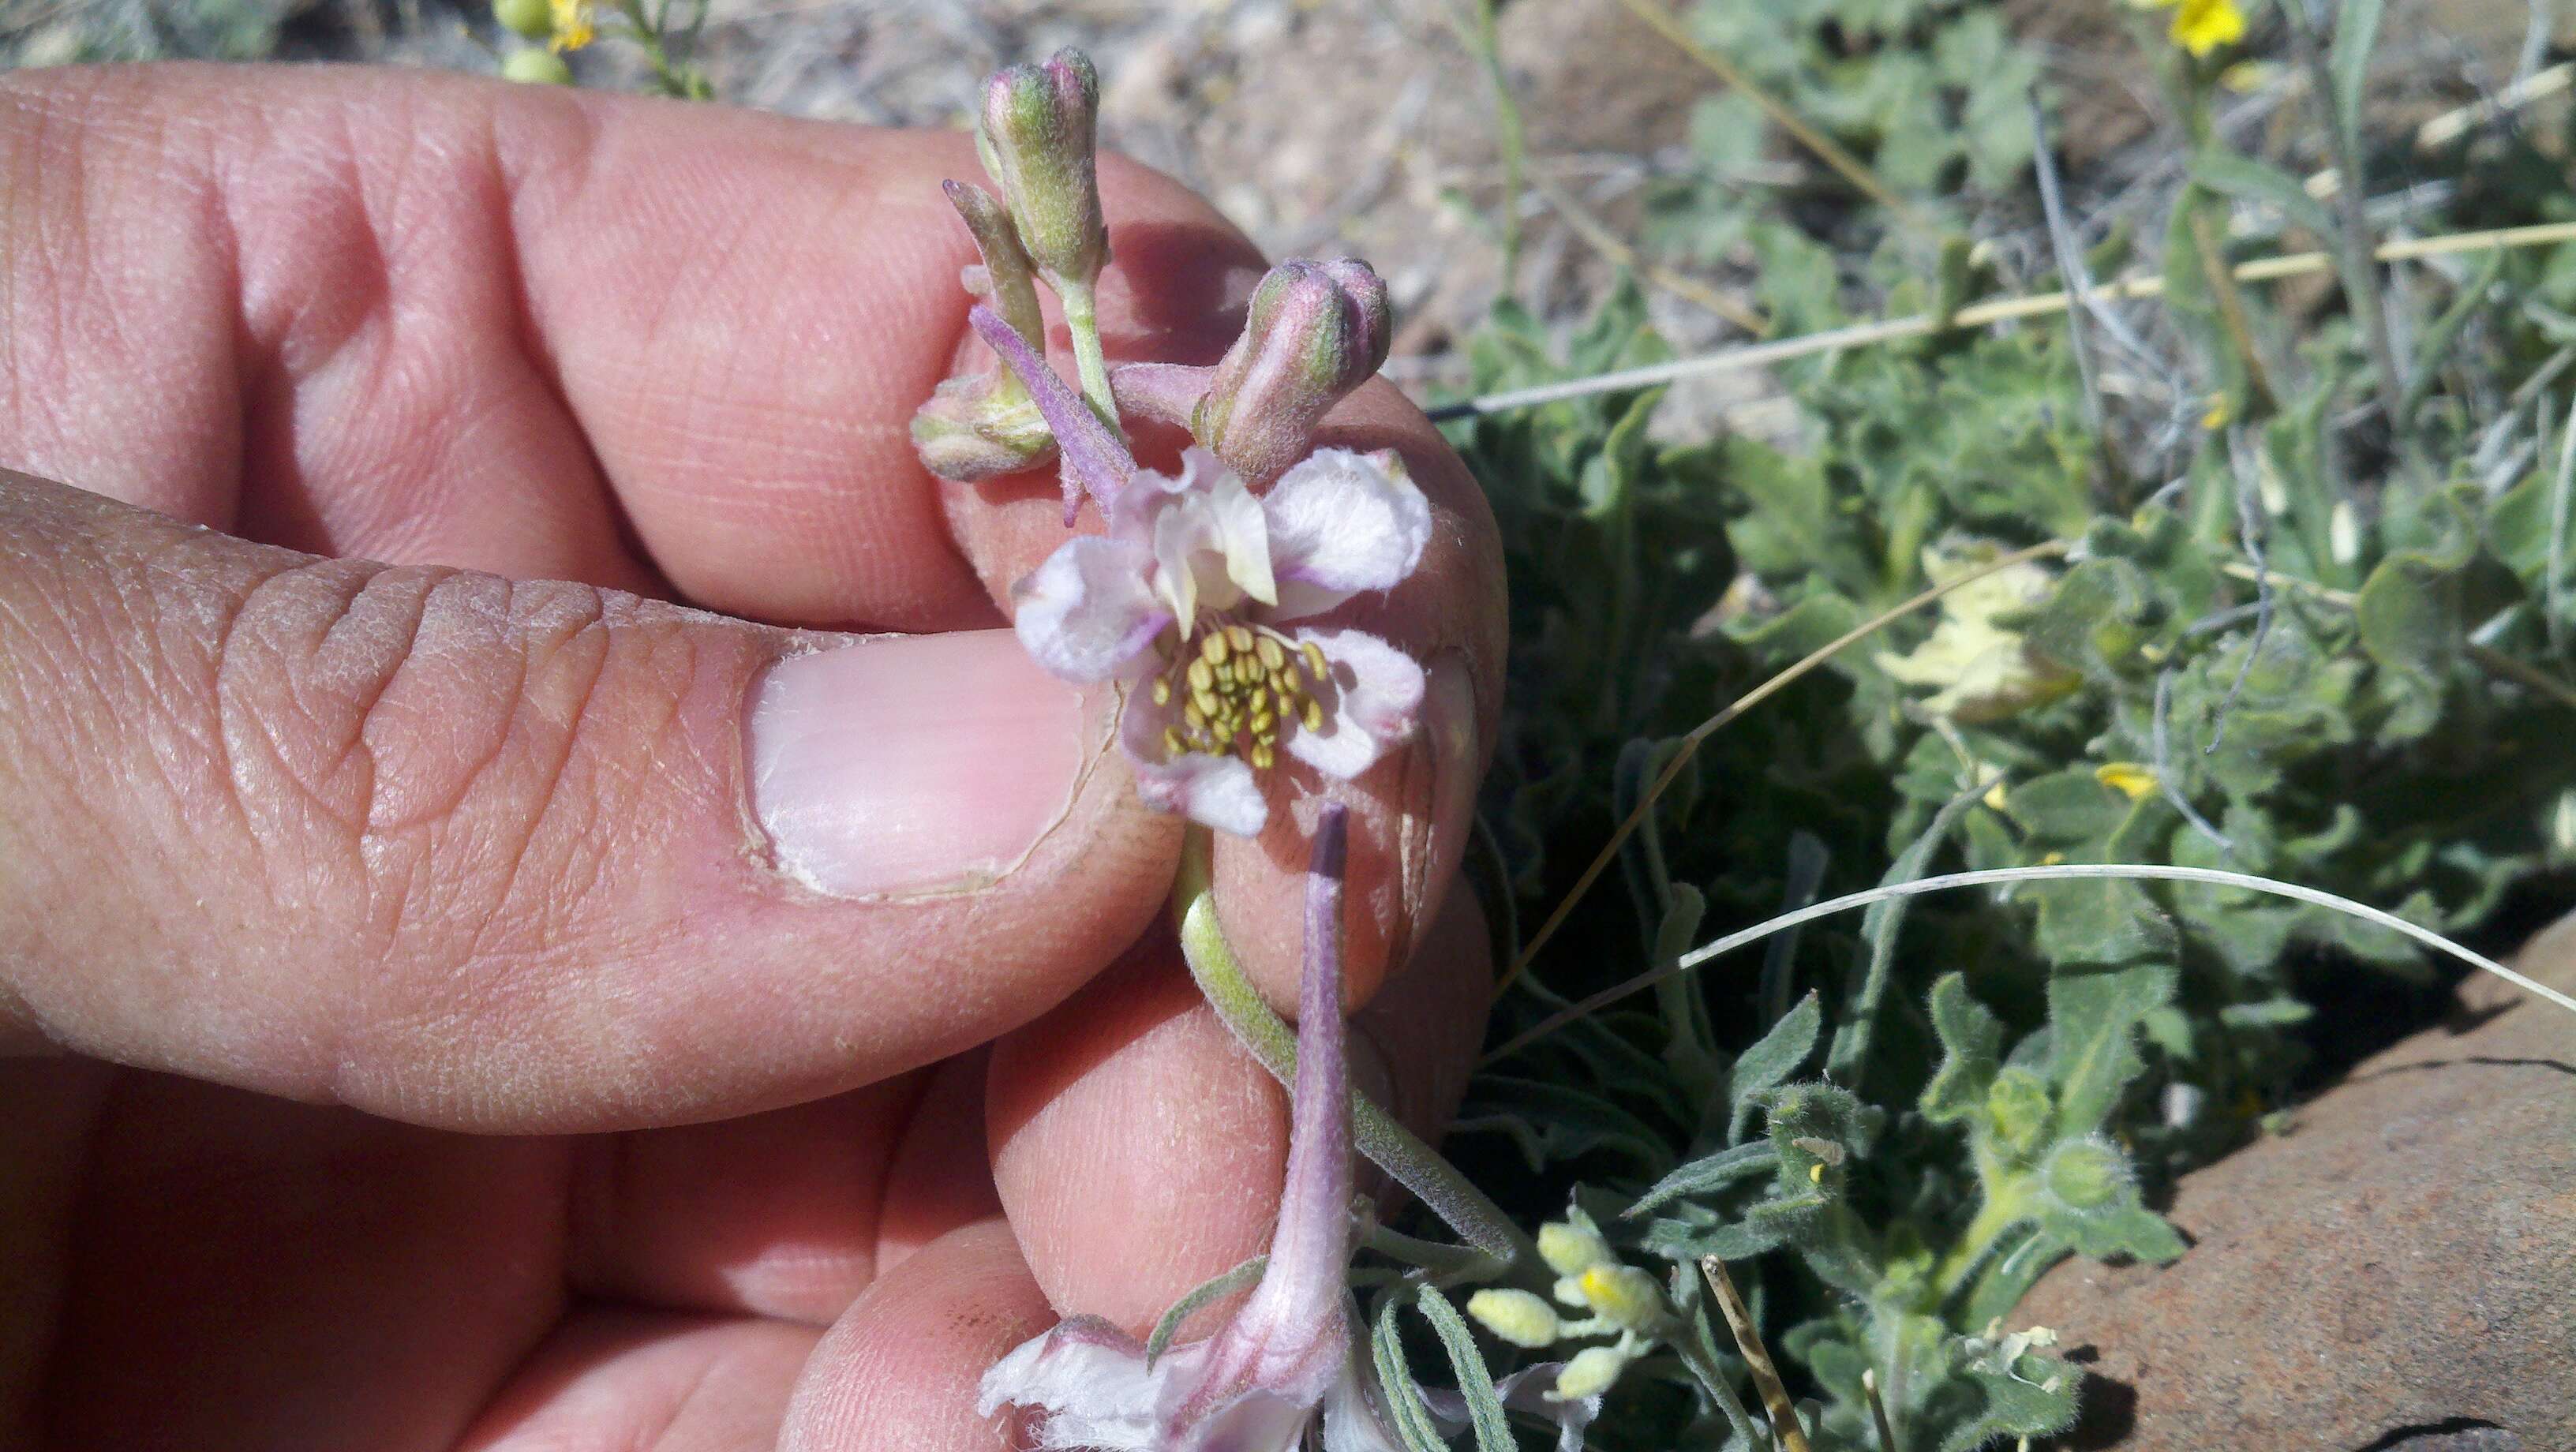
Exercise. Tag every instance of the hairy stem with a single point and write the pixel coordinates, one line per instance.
(1081, 319)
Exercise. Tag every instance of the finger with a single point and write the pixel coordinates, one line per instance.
(899, 1371)
(486, 855)
(786, 1215)
(740, 313)
(228, 1246)
(1139, 1149)
(613, 1377)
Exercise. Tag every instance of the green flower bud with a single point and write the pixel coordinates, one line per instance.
(1570, 1250)
(1592, 1372)
(980, 426)
(2087, 1174)
(1036, 133)
(1006, 276)
(1316, 330)
(1515, 1316)
(2020, 1107)
(534, 19)
(537, 66)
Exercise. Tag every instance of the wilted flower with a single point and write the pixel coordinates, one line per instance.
(1984, 672)
(1196, 595)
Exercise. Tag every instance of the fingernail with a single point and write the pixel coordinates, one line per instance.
(912, 764)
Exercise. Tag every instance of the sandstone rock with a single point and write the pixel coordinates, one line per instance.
(2399, 1271)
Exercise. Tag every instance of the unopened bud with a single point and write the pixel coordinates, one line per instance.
(534, 19)
(1036, 134)
(2086, 1174)
(536, 66)
(1515, 1316)
(1570, 1250)
(1316, 330)
(1589, 1374)
(1624, 1296)
(1006, 276)
(979, 427)
(2020, 1107)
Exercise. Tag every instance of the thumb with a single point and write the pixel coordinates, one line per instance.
(507, 856)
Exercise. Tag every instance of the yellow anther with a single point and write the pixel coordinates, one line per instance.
(1196, 713)
(1202, 676)
(1314, 655)
(1213, 649)
(1272, 657)
(1172, 742)
(1162, 690)
(1314, 714)
(1263, 758)
(1239, 637)
(1262, 720)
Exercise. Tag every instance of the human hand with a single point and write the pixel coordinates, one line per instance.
(414, 1038)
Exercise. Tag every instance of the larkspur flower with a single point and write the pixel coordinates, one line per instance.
(1199, 599)
(1258, 1382)
(1286, 1357)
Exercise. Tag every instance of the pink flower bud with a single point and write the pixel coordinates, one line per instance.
(1036, 135)
(1316, 331)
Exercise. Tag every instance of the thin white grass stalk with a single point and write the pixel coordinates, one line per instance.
(2553, 587)
(1860, 335)
(1999, 876)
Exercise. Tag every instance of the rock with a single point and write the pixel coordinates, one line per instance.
(2399, 1271)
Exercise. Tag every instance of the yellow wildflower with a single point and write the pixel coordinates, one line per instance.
(2128, 778)
(2201, 26)
(2219, 413)
(573, 28)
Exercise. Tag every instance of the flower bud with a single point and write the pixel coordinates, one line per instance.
(1006, 276)
(533, 19)
(1515, 1316)
(980, 426)
(2020, 1107)
(1589, 1374)
(537, 66)
(1625, 1296)
(1316, 331)
(1036, 135)
(1570, 1250)
(2087, 1174)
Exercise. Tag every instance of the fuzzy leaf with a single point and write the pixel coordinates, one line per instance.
(1701, 1176)
(2018, 1403)
(2092, 1014)
(1971, 1040)
(1771, 1060)
(1475, 1382)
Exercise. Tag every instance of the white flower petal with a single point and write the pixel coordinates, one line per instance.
(1371, 695)
(1243, 535)
(1340, 523)
(1217, 791)
(1089, 1379)
(1086, 613)
(1353, 1419)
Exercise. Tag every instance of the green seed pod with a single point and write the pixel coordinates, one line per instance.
(536, 66)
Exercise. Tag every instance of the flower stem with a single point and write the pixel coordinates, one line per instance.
(1081, 319)
(1387, 1144)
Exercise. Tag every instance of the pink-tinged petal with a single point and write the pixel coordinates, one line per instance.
(1242, 530)
(1094, 459)
(1215, 791)
(1355, 1418)
(1371, 695)
(1341, 523)
(1087, 612)
(1088, 1381)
